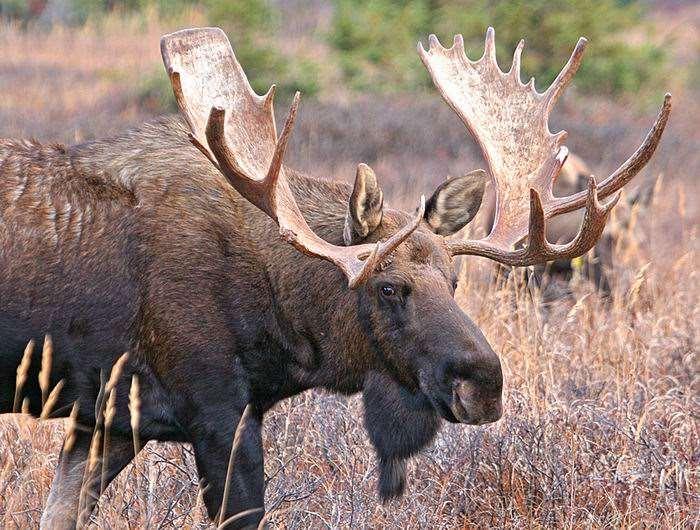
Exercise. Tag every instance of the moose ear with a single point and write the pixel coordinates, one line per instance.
(365, 207)
(455, 202)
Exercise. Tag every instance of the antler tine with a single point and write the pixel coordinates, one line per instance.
(225, 158)
(509, 121)
(537, 238)
(592, 226)
(515, 65)
(235, 129)
(567, 73)
(490, 46)
(594, 220)
(537, 249)
(281, 147)
(628, 170)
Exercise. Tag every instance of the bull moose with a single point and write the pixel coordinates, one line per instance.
(234, 281)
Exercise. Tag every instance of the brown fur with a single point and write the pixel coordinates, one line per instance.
(138, 244)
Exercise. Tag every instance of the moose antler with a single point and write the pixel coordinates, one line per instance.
(509, 121)
(235, 129)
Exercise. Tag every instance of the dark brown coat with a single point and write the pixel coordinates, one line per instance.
(138, 244)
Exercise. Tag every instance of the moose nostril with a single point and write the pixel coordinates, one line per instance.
(474, 401)
(464, 390)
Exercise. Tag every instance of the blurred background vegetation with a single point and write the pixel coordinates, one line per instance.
(369, 46)
(378, 37)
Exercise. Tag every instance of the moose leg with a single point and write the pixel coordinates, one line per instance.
(246, 483)
(233, 473)
(71, 481)
(236, 496)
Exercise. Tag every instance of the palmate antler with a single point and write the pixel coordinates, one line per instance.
(509, 121)
(235, 129)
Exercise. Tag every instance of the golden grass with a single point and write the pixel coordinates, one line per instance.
(69, 83)
(601, 399)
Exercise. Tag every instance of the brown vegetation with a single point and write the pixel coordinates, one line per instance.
(601, 396)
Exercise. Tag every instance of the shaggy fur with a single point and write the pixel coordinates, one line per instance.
(138, 244)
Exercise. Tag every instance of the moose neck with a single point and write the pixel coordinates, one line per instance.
(316, 315)
(311, 318)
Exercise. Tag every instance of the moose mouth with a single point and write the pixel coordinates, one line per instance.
(467, 404)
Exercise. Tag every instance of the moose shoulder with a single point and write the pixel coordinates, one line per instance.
(234, 282)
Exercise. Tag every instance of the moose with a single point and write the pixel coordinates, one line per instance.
(188, 243)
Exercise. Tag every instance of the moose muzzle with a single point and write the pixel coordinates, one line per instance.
(474, 406)
(465, 390)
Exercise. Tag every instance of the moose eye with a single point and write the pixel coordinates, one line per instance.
(388, 291)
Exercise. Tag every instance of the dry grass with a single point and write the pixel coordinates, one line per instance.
(71, 84)
(601, 420)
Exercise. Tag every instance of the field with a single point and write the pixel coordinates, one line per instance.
(601, 396)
